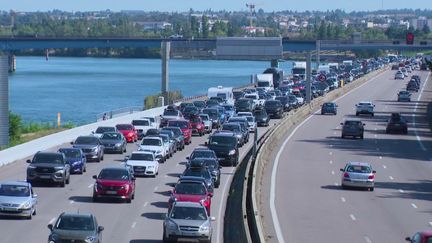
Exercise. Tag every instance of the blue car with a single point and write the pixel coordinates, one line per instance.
(222, 115)
(229, 111)
(76, 159)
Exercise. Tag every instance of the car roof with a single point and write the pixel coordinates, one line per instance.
(365, 102)
(359, 163)
(17, 183)
(152, 137)
(56, 153)
(353, 119)
(202, 149)
(188, 204)
(79, 214)
(223, 134)
(64, 149)
(142, 152)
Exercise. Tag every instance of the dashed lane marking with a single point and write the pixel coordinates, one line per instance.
(330, 153)
(52, 221)
(71, 202)
(353, 218)
(332, 172)
(331, 161)
(145, 204)
(384, 166)
(90, 186)
(391, 178)
(367, 239)
(156, 188)
(343, 199)
(133, 225)
(380, 157)
(401, 191)
(414, 206)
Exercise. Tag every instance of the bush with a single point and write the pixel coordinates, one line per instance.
(15, 127)
(152, 100)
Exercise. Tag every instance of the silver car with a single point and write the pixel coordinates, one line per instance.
(17, 199)
(208, 124)
(187, 221)
(358, 174)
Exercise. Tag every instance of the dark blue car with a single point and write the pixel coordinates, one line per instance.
(76, 159)
(329, 108)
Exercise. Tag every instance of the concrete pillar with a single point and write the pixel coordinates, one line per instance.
(4, 101)
(308, 77)
(318, 54)
(12, 63)
(274, 63)
(165, 55)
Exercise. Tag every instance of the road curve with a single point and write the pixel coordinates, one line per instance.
(309, 203)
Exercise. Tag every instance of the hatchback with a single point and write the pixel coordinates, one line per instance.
(359, 175)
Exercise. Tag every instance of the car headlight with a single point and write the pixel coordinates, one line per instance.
(232, 152)
(118, 144)
(32, 167)
(205, 226)
(94, 149)
(26, 205)
(171, 225)
(90, 239)
(59, 168)
(239, 136)
(76, 163)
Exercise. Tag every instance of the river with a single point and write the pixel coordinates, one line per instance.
(81, 88)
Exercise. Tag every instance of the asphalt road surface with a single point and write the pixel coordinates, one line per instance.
(309, 204)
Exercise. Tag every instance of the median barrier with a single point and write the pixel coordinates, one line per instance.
(276, 134)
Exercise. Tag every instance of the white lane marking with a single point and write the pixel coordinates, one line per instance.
(334, 133)
(52, 221)
(367, 239)
(177, 164)
(71, 202)
(331, 161)
(414, 117)
(391, 178)
(166, 176)
(336, 184)
(413, 205)
(401, 191)
(333, 172)
(219, 220)
(275, 218)
(145, 204)
(330, 153)
(380, 157)
(353, 218)
(343, 199)
(375, 135)
(384, 166)
(90, 186)
(430, 223)
(156, 188)
(133, 225)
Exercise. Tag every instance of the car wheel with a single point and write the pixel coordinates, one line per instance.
(129, 200)
(133, 196)
(98, 159)
(68, 180)
(361, 136)
(217, 185)
(357, 113)
(34, 211)
(405, 131)
(371, 189)
(102, 157)
(342, 136)
(85, 168)
(95, 199)
(29, 217)
(63, 183)
(372, 114)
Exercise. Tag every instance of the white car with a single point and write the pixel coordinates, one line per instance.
(252, 124)
(154, 145)
(365, 107)
(17, 199)
(101, 130)
(142, 125)
(153, 120)
(399, 75)
(143, 163)
(207, 122)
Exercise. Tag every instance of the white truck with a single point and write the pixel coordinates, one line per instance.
(226, 93)
(299, 68)
(265, 81)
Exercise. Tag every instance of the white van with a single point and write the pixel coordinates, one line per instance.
(226, 93)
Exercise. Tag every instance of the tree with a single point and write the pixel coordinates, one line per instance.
(426, 29)
(205, 26)
(322, 33)
(15, 127)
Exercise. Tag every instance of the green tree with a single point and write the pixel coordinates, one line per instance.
(205, 26)
(15, 127)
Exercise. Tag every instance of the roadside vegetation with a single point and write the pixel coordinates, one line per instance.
(151, 101)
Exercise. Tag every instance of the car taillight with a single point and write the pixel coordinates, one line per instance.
(371, 177)
(346, 175)
(130, 134)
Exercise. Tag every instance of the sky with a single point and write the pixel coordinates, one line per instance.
(231, 5)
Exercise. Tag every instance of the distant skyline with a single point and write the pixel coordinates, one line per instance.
(230, 5)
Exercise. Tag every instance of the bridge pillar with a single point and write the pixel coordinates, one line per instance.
(165, 56)
(12, 63)
(318, 53)
(308, 77)
(4, 101)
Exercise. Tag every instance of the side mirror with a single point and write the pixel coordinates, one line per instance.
(187, 157)
(212, 218)
(100, 228)
(94, 177)
(28, 161)
(93, 132)
(341, 124)
(374, 172)
(206, 143)
(342, 170)
(364, 124)
(35, 195)
(72, 142)
(50, 227)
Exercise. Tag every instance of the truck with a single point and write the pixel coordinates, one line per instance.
(348, 64)
(226, 93)
(299, 68)
(265, 81)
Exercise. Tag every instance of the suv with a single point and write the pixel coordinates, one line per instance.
(397, 123)
(155, 145)
(365, 107)
(244, 104)
(236, 129)
(114, 182)
(75, 227)
(274, 108)
(354, 128)
(91, 146)
(52, 167)
(329, 107)
(261, 117)
(142, 125)
(225, 147)
(187, 220)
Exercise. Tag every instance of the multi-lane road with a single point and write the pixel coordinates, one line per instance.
(309, 204)
(138, 222)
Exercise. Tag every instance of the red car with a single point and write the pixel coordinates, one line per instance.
(191, 191)
(185, 127)
(114, 182)
(128, 131)
(421, 237)
(197, 125)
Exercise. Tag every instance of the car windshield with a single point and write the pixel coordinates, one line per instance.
(243, 102)
(330, 105)
(71, 153)
(352, 123)
(167, 132)
(151, 142)
(199, 103)
(190, 109)
(188, 213)
(140, 123)
(231, 127)
(210, 112)
(48, 158)
(124, 127)
(75, 223)
(359, 169)
(14, 190)
(228, 107)
(105, 129)
(176, 130)
(204, 118)
(180, 124)
(250, 118)
(190, 188)
(202, 154)
(111, 136)
(170, 113)
(114, 174)
(197, 173)
(87, 140)
(195, 120)
(139, 156)
(164, 138)
(222, 141)
(365, 104)
(272, 103)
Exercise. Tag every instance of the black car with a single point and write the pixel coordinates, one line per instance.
(274, 108)
(244, 105)
(238, 94)
(212, 164)
(353, 128)
(235, 127)
(261, 118)
(190, 111)
(48, 167)
(329, 108)
(226, 148)
(285, 102)
(243, 124)
(293, 101)
(397, 123)
(412, 86)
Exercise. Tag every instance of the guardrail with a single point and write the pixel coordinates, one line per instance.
(118, 112)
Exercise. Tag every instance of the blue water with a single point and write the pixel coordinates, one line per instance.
(81, 88)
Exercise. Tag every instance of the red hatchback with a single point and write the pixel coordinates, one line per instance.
(191, 191)
(128, 131)
(185, 127)
(197, 125)
(114, 182)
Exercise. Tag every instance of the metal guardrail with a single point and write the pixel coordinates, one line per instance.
(118, 112)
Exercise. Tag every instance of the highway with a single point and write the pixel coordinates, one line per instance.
(138, 222)
(309, 204)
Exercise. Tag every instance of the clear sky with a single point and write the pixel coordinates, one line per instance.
(183, 5)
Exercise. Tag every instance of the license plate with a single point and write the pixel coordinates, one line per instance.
(111, 192)
(9, 209)
(45, 177)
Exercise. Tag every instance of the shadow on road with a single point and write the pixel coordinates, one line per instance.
(155, 216)
(145, 241)
(416, 189)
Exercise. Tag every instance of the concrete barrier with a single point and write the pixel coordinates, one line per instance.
(273, 141)
(24, 150)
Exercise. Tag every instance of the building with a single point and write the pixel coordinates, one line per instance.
(420, 22)
(154, 26)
